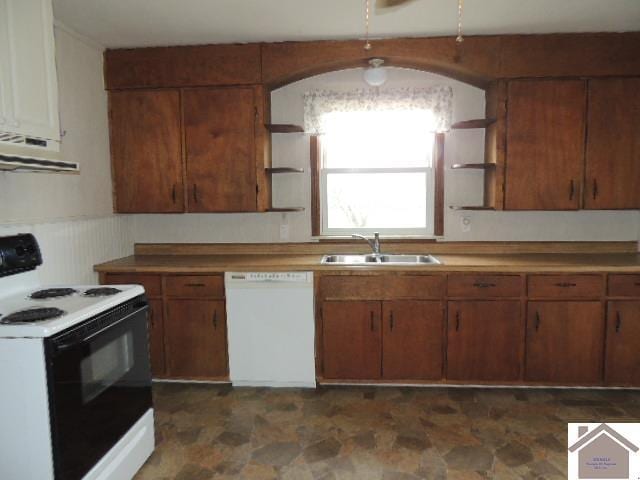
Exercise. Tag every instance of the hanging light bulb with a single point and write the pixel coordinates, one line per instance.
(375, 75)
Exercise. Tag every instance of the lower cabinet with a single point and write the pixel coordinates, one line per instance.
(351, 337)
(390, 340)
(196, 339)
(565, 342)
(622, 365)
(483, 340)
(156, 338)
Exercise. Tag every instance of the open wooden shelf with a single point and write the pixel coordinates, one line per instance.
(285, 209)
(284, 128)
(272, 170)
(477, 166)
(475, 123)
(471, 207)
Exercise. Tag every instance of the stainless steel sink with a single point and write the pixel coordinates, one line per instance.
(381, 259)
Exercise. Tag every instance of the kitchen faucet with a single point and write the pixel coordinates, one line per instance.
(374, 244)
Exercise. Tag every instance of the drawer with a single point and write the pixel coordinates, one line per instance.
(565, 286)
(624, 285)
(382, 287)
(484, 285)
(211, 286)
(151, 283)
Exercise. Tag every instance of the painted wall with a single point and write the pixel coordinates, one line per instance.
(461, 187)
(71, 215)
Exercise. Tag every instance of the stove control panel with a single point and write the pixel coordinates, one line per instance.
(19, 253)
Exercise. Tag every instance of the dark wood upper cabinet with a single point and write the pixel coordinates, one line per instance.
(184, 66)
(613, 144)
(412, 340)
(622, 362)
(196, 339)
(483, 340)
(351, 339)
(219, 126)
(146, 151)
(545, 144)
(565, 342)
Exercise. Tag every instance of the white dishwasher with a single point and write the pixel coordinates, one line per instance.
(270, 326)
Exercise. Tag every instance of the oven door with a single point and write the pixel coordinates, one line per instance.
(99, 385)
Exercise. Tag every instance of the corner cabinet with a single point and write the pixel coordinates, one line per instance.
(28, 82)
(189, 150)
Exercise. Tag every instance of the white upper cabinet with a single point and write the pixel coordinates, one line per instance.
(28, 83)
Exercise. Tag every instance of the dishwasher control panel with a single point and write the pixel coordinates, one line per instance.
(289, 277)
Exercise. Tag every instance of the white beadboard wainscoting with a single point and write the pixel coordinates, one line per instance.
(71, 248)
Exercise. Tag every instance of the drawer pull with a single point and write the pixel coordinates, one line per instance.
(457, 321)
(618, 322)
(195, 284)
(391, 321)
(565, 284)
(215, 319)
(484, 285)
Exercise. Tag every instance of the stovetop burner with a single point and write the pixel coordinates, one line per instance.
(32, 315)
(52, 293)
(102, 292)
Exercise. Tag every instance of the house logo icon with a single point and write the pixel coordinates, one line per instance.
(601, 451)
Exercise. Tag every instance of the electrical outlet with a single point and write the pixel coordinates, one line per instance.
(284, 231)
(465, 223)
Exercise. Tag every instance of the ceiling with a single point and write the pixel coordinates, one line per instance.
(133, 23)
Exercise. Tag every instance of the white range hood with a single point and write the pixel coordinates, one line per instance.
(19, 153)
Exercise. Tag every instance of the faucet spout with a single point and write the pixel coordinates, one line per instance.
(373, 243)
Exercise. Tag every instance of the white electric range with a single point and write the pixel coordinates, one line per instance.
(74, 372)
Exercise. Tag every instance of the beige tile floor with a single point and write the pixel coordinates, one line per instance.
(208, 431)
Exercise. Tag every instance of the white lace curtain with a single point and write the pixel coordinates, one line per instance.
(437, 100)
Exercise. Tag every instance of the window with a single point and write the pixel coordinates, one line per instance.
(378, 171)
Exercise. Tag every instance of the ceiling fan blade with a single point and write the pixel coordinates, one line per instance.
(380, 4)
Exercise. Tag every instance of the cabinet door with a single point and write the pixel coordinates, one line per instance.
(484, 340)
(352, 340)
(622, 363)
(412, 340)
(146, 151)
(565, 342)
(196, 339)
(613, 144)
(220, 147)
(32, 89)
(156, 338)
(545, 144)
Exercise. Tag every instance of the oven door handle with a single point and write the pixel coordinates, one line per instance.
(66, 346)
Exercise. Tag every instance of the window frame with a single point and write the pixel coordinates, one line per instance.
(318, 202)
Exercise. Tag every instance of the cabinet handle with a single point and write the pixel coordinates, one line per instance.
(391, 320)
(595, 188)
(152, 322)
(565, 284)
(457, 321)
(173, 193)
(618, 322)
(537, 321)
(484, 285)
(371, 320)
(572, 189)
(215, 319)
(195, 285)
(195, 193)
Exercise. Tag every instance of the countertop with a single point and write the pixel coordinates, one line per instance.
(540, 262)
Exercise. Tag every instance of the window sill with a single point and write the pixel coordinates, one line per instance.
(388, 238)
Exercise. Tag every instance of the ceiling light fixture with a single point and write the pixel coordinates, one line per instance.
(375, 75)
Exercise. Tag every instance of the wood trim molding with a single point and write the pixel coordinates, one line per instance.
(438, 206)
(409, 246)
(315, 156)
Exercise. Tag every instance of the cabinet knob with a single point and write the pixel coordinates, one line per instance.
(618, 322)
(537, 321)
(391, 321)
(457, 321)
